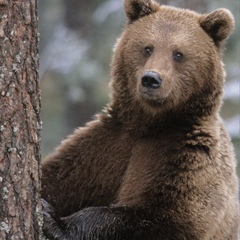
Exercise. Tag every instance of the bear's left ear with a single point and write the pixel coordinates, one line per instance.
(136, 9)
(218, 24)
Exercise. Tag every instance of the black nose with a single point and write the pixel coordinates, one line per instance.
(151, 80)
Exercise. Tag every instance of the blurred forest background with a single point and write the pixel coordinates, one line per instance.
(76, 41)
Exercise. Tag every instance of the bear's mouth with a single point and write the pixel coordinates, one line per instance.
(152, 98)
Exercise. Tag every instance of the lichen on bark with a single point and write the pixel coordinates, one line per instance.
(20, 209)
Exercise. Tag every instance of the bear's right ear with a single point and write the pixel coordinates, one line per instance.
(136, 9)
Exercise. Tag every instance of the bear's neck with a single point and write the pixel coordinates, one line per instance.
(135, 118)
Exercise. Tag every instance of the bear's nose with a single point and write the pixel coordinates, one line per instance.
(151, 80)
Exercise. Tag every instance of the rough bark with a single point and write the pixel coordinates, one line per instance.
(20, 209)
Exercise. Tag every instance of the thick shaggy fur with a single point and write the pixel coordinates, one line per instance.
(159, 163)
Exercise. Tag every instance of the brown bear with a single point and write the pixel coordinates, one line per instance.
(158, 164)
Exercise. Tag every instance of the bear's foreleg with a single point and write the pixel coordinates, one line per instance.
(100, 223)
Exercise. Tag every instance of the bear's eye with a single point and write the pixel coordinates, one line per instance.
(148, 51)
(178, 56)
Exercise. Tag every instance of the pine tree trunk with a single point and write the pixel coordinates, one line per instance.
(20, 209)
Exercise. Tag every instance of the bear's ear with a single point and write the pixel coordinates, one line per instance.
(218, 24)
(136, 9)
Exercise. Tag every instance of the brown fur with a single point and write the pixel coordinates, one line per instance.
(158, 164)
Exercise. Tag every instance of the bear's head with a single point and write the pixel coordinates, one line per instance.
(168, 60)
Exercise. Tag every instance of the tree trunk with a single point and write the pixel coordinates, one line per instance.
(20, 209)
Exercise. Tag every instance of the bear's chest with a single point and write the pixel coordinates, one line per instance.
(164, 169)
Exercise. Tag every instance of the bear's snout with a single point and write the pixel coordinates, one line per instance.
(151, 80)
